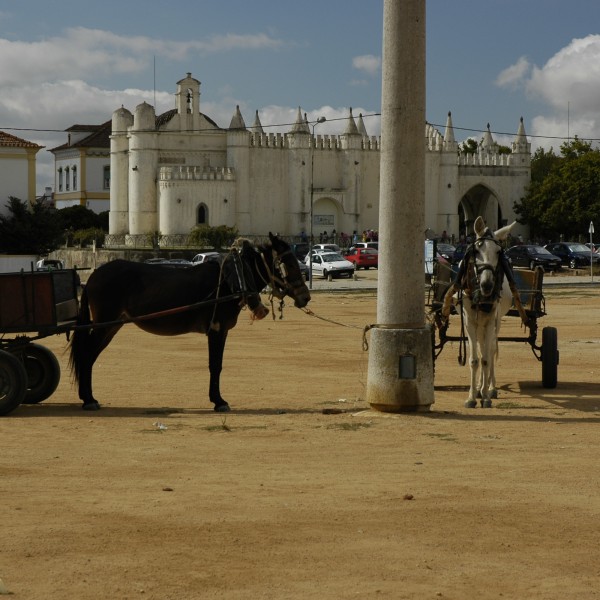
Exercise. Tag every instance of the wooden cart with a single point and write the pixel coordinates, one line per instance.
(33, 305)
(529, 284)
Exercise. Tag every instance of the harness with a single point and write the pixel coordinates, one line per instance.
(468, 278)
(470, 272)
(275, 276)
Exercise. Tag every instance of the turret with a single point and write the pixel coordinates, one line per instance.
(351, 138)
(257, 125)
(237, 121)
(449, 140)
(488, 145)
(118, 217)
(521, 148)
(143, 162)
(361, 126)
(187, 102)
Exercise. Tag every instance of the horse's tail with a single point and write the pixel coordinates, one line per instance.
(80, 336)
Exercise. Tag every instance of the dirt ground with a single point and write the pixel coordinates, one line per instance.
(158, 497)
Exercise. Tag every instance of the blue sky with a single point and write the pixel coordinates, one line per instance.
(488, 61)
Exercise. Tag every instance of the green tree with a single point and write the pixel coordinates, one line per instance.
(469, 146)
(29, 229)
(213, 237)
(79, 217)
(564, 194)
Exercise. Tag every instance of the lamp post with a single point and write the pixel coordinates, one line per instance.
(312, 191)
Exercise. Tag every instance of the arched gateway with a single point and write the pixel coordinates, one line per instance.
(171, 171)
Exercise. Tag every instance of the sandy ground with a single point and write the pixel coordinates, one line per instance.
(302, 491)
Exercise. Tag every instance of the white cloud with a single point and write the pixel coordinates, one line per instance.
(515, 74)
(81, 52)
(368, 63)
(572, 74)
(568, 84)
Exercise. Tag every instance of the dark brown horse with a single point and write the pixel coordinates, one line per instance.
(206, 298)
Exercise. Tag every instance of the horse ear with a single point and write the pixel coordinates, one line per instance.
(272, 237)
(479, 226)
(502, 233)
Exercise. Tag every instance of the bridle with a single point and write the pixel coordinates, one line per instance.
(278, 278)
(471, 271)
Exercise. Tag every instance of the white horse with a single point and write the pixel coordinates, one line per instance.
(487, 295)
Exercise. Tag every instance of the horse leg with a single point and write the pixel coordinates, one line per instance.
(216, 347)
(488, 354)
(89, 349)
(470, 326)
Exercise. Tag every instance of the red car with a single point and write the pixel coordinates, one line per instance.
(363, 258)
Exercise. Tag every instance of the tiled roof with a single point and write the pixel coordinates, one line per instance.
(98, 138)
(6, 139)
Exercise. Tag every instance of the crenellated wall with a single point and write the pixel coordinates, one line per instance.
(170, 169)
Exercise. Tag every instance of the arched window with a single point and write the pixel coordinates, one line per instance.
(67, 179)
(60, 180)
(106, 178)
(202, 218)
(74, 178)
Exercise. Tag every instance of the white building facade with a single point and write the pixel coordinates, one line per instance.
(171, 172)
(82, 168)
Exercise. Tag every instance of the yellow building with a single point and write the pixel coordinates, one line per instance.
(17, 169)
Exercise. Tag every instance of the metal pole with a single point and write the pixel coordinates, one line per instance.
(312, 191)
(592, 250)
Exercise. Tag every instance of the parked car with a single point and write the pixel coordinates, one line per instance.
(49, 264)
(572, 254)
(328, 247)
(363, 258)
(304, 270)
(329, 265)
(459, 252)
(532, 256)
(300, 250)
(594, 247)
(366, 245)
(446, 250)
(207, 256)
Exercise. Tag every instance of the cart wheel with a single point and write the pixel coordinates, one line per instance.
(13, 382)
(549, 357)
(43, 373)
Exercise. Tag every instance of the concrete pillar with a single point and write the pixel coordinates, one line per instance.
(400, 374)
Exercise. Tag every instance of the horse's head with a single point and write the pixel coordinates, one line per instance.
(285, 275)
(485, 255)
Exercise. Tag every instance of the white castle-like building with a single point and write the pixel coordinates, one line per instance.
(171, 172)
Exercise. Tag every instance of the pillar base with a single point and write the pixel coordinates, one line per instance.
(400, 375)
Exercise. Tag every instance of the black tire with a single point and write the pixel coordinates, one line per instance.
(43, 373)
(549, 357)
(13, 382)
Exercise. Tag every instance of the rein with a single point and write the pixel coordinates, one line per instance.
(365, 328)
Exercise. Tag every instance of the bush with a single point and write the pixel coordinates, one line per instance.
(84, 237)
(213, 237)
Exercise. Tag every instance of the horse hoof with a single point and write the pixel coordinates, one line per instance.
(494, 394)
(222, 408)
(486, 403)
(91, 406)
(471, 404)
